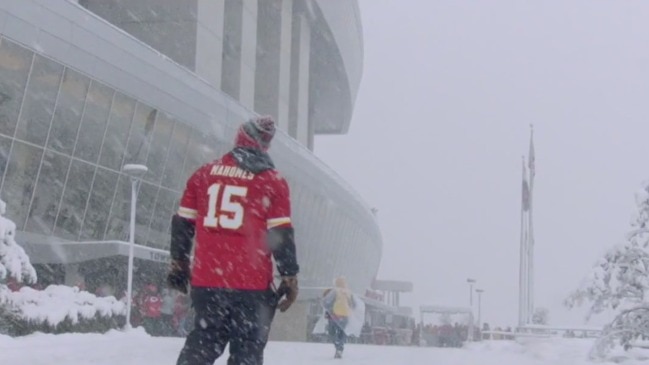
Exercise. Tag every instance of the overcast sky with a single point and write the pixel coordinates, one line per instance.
(442, 119)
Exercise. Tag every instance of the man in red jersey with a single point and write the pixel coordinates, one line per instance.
(237, 211)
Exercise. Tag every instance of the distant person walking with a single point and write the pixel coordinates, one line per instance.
(338, 303)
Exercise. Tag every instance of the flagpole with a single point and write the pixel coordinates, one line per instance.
(522, 284)
(530, 274)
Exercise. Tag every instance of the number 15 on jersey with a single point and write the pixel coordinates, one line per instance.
(223, 211)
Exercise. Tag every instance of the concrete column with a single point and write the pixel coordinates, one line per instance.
(231, 60)
(209, 40)
(248, 53)
(285, 64)
(304, 132)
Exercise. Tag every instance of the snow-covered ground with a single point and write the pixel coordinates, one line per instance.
(137, 348)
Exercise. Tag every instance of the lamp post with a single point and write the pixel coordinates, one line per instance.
(135, 172)
(479, 291)
(471, 282)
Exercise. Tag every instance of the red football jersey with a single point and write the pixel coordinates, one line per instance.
(233, 210)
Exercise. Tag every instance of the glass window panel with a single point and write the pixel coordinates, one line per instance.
(121, 115)
(164, 209)
(67, 115)
(39, 102)
(140, 136)
(145, 202)
(158, 239)
(296, 198)
(173, 176)
(159, 235)
(15, 62)
(218, 147)
(332, 235)
(159, 146)
(207, 151)
(77, 189)
(144, 210)
(199, 152)
(47, 196)
(103, 189)
(310, 213)
(19, 181)
(339, 238)
(93, 125)
(118, 222)
(5, 146)
(167, 225)
(192, 161)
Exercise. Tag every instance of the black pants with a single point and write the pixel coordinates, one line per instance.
(241, 318)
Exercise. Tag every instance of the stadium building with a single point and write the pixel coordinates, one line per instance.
(88, 86)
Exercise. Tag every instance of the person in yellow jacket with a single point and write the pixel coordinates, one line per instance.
(338, 303)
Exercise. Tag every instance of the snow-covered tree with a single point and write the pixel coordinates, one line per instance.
(621, 277)
(14, 262)
(620, 280)
(541, 316)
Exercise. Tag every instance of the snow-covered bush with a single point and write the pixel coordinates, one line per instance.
(619, 282)
(56, 309)
(59, 309)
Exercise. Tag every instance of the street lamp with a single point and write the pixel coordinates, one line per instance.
(135, 172)
(471, 282)
(479, 291)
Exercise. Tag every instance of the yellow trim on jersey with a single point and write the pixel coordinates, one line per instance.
(187, 213)
(274, 222)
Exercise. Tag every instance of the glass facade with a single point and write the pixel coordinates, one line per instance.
(64, 137)
(63, 140)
